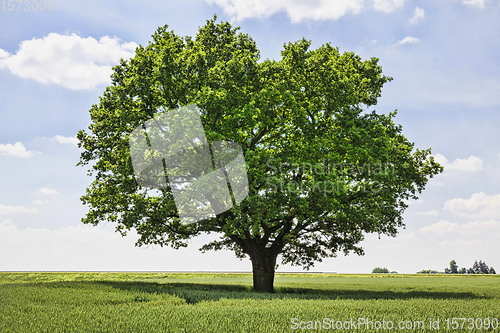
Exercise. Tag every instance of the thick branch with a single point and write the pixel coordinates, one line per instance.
(256, 139)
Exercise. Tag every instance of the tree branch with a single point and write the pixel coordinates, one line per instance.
(256, 139)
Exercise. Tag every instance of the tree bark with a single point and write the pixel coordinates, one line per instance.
(263, 265)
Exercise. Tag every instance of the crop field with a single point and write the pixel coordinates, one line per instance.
(224, 302)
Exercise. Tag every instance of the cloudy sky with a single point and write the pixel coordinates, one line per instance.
(444, 56)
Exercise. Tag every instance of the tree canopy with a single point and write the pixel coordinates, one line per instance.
(322, 169)
(477, 268)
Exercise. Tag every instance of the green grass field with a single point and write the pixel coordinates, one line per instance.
(210, 302)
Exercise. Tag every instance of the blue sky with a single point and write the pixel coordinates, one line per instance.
(444, 56)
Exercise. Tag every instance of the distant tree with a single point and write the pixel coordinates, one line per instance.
(475, 267)
(453, 267)
(380, 270)
(394, 272)
(492, 271)
(463, 270)
(483, 267)
(428, 271)
(470, 271)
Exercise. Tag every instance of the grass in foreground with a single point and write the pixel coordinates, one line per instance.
(208, 302)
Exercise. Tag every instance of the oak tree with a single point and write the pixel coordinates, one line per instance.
(323, 170)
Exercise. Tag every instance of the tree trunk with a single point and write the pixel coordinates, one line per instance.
(263, 272)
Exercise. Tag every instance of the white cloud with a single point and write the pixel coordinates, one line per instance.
(63, 139)
(300, 10)
(4, 210)
(46, 190)
(440, 228)
(476, 3)
(6, 226)
(472, 164)
(423, 250)
(429, 213)
(88, 248)
(17, 150)
(408, 40)
(479, 205)
(417, 15)
(477, 232)
(387, 6)
(3, 55)
(71, 61)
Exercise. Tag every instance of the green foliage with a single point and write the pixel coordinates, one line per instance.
(309, 107)
(453, 267)
(483, 267)
(170, 302)
(480, 268)
(429, 271)
(380, 270)
(477, 268)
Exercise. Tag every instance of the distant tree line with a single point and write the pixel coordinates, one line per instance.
(477, 268)
(429, 271)
(383, 270)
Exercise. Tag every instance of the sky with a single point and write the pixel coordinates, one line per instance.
(444, 56)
